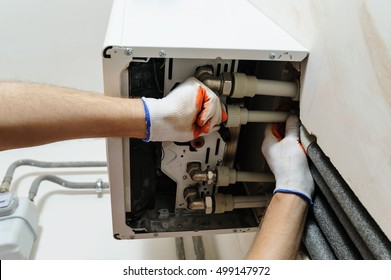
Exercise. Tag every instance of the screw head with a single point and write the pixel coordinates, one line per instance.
(272, 56)
(128, 51)
(162, 53)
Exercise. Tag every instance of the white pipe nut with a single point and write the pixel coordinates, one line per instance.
(223, 203)
(225, 176)
(234, 116)
(244, 86)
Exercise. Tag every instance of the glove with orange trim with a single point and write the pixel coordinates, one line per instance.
(288, 161)
(188, 111)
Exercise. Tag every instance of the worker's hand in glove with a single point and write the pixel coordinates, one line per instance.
(188, 111)
(288, 161)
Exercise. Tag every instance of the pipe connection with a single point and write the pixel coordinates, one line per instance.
(239, 85)
(221, 203)
(238, 116)
(223, 175)
(196, 174)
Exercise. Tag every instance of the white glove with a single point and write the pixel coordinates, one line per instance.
(188, 111)
(288, 161)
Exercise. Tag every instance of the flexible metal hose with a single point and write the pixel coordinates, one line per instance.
(6, 183)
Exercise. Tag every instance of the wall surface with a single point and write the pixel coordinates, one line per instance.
(59, 42)
(76, 224)
(346, 97)
(56, 42)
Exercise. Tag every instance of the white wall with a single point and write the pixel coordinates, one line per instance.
(345, 98)
(59, 42)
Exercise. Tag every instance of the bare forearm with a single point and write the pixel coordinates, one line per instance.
(33, 114)
(280, 233)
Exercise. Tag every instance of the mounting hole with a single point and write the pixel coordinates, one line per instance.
(197, 143)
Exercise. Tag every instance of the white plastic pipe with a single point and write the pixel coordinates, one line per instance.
(228, 202)
(249, 86)
(238, 116)
(244, 176)
(226, 176)
(250, 201)
(265, 116)
(276, 88)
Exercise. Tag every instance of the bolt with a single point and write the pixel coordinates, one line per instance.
(184, 177)
(162, 53)
(272, 56)
(128, 51)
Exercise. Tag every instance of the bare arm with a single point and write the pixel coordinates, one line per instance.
(34, 114)
(280, 233)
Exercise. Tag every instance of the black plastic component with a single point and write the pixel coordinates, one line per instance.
(225, 133)
(145, 79)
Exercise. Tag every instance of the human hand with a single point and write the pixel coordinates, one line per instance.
(188, 111)
(288, 161)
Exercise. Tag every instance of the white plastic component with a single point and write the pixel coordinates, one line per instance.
(224, 176)
(249, 86)
(277, 88)
(244, 176)
(244, 86)
(223, 203)
(227, 176)
(194, 20)
(249, 201)
(228, 202)
(18, 231)
(238, 116)
(8, 203)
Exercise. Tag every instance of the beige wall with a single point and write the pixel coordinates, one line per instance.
(346, 94)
